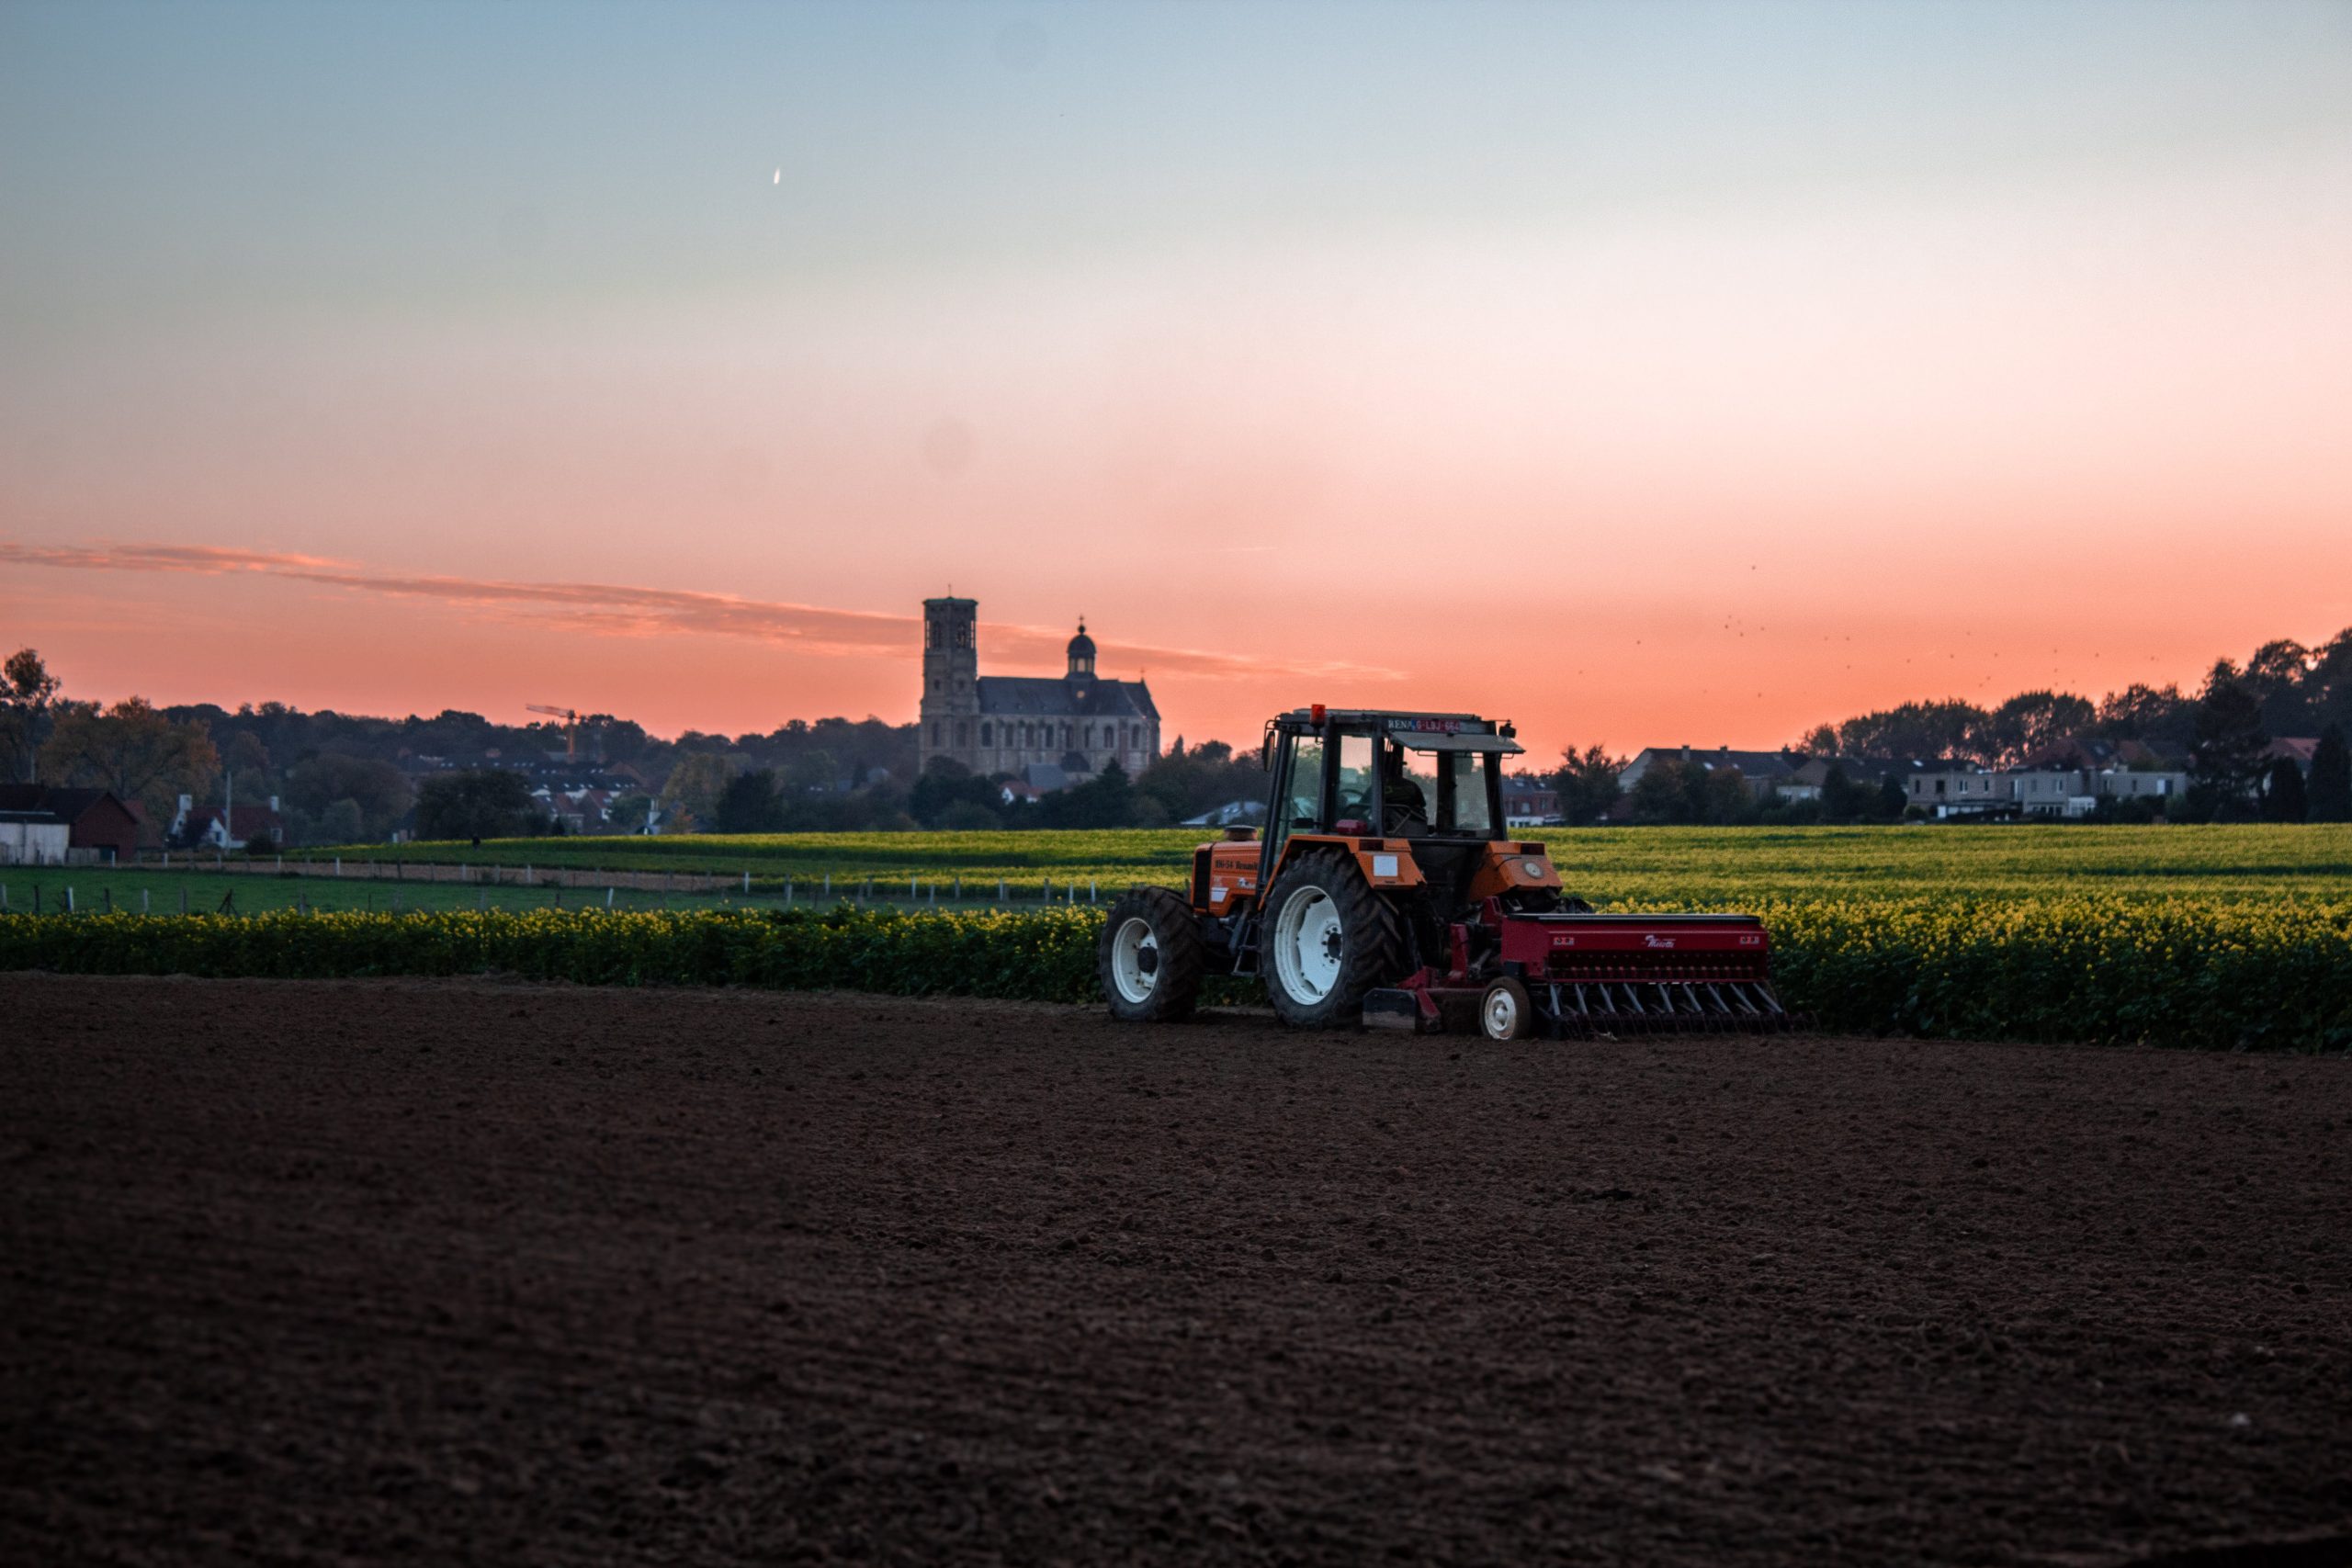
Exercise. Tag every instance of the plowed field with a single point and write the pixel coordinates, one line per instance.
(464, 1273)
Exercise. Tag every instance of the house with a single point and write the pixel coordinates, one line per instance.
(41, 825)
(1950, 791)
(2088, 754)
(1762, 771)
(2134, 783)
(1042, 778)
(214, 828)
(2049, 792)
(2297, 749)
(1528, 805)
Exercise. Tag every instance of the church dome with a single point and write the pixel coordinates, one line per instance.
(1082, 652)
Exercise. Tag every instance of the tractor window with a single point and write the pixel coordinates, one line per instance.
(1469, 794)
(1306, 792)
(1359, 783)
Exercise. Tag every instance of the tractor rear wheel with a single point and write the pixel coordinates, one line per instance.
(1150, 957)
(1326, 938)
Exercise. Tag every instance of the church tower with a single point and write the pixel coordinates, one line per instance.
(951, 676)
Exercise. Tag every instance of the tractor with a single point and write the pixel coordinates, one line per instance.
(1387, 890)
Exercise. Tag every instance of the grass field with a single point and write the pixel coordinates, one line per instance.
(96, 889)
(1670, 867)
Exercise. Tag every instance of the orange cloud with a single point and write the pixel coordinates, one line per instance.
(600, 609)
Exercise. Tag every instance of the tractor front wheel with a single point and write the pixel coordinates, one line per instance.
(1149, 958)
(1326, 939)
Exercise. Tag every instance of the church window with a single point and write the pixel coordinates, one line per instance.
(935, 732)
(963, 732)
(985, 740)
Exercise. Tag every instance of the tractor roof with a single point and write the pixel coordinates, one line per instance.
(1422, 731)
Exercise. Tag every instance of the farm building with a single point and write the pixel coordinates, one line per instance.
(41, 825)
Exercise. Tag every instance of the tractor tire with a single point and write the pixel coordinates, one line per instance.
(1505, 1012)
(1149, 958)
(1326, 938)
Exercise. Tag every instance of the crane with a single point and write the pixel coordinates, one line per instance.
(571, 726)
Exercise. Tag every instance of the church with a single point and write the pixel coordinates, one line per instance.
(1040, 730)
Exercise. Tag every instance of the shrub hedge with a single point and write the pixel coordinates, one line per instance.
(2077, 967)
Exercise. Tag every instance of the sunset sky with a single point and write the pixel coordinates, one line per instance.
(1659, 373)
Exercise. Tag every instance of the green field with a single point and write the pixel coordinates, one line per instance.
(1620, 867)
(97, 889)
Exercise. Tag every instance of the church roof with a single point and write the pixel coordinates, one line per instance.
(1017, 696)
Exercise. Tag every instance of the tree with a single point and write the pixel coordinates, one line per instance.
(2282, 792)
(340, 823)
(2027, 722)
(1840, 800)
(380, 791)
(748, 804)
(2329, 789)
(695, 784)
(2145, 713)
(1915, 729)
(143, 756)
(2227, 760)
(1658, 796)
(946, 783)
(627, 813)
(1890, 799)
(1726, 800)
(488, 803)
(1586, 783)
(28, 691)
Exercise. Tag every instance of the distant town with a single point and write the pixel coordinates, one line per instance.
(2264, 740)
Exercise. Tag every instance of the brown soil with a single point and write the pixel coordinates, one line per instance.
(505, 1274)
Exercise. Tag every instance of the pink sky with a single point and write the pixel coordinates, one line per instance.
(1704, 464)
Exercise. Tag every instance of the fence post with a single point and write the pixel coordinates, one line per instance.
(999, 890)
(527, 875)
(1093, 891)
(608, 897)
(829, 887)
(787, 894)
(338, 865)
(183, 898)
(281, 866)
(959, 890)
(106, 893)
(143, 901)
(69, 898)
(3, 895)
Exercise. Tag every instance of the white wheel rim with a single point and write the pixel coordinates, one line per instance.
(1307, 945)
(1502, 1013)
(1127, 972)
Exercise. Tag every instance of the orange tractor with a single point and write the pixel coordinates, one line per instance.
(1385, 890)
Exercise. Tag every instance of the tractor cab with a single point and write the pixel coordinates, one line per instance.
(1411, 775)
